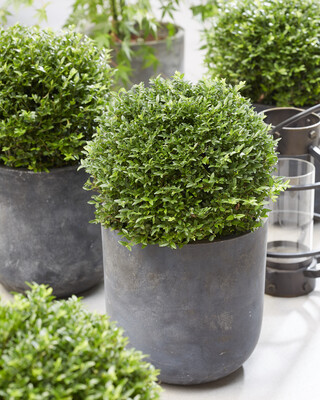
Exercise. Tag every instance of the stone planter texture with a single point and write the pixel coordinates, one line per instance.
(171, 59)
(196, 311)
(45, 235)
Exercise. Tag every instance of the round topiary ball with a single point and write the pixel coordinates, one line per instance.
(53, 86)
(272, 45)
(178, 162)
(57, 350)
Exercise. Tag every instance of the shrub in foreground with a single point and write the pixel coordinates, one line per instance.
(57, 350)
(178, 162)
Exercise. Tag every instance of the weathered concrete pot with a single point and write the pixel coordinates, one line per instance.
(45, 235)
(170, 59)
(196, 311)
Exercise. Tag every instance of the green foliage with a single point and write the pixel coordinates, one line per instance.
(272, 45)
(180, 162)
(53, 86)
(205, 9)
(117, 24)
(57, 350)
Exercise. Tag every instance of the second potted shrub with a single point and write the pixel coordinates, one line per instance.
(271, 45)
(53, 86)
(182, 173)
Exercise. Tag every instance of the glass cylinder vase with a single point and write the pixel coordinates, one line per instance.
(290, 224)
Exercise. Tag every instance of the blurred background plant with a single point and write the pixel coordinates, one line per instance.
(117, 24)
(205, 9)
(39, 8)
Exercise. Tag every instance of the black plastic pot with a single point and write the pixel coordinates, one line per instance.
(45, 235)
(196, 311)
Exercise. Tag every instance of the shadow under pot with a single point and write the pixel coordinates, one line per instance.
(197, 310)
(45, 234)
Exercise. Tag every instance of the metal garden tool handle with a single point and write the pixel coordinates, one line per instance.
(294, 118)
(315, 152)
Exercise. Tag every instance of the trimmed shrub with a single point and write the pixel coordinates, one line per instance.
(57, 350)
(271, 45)
(181, 162)
(53, 86)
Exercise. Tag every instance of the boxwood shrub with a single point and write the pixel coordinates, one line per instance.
(57, 350)
(273, 45)
(179, 162)
(53, 87)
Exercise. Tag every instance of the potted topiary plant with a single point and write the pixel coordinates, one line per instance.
(182, 173)
(271, 45)
(58, 350)
(53, 87)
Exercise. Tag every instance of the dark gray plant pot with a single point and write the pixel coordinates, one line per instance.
(170, 59)
(45, 235)
(196, 311)
(261, 107)
(296, 138)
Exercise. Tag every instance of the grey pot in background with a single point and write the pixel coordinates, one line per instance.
(171, 59)
(296, 139)
(261, 107)
(45, 235)
(197, 311)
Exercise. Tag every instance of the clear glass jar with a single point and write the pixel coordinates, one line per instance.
(290, 223)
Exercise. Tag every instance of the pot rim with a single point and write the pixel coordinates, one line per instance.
(55, 170)
(179, 34)
(285, 128)
(201, 242)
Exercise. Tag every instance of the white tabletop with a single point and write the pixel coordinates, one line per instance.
(285, 363)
